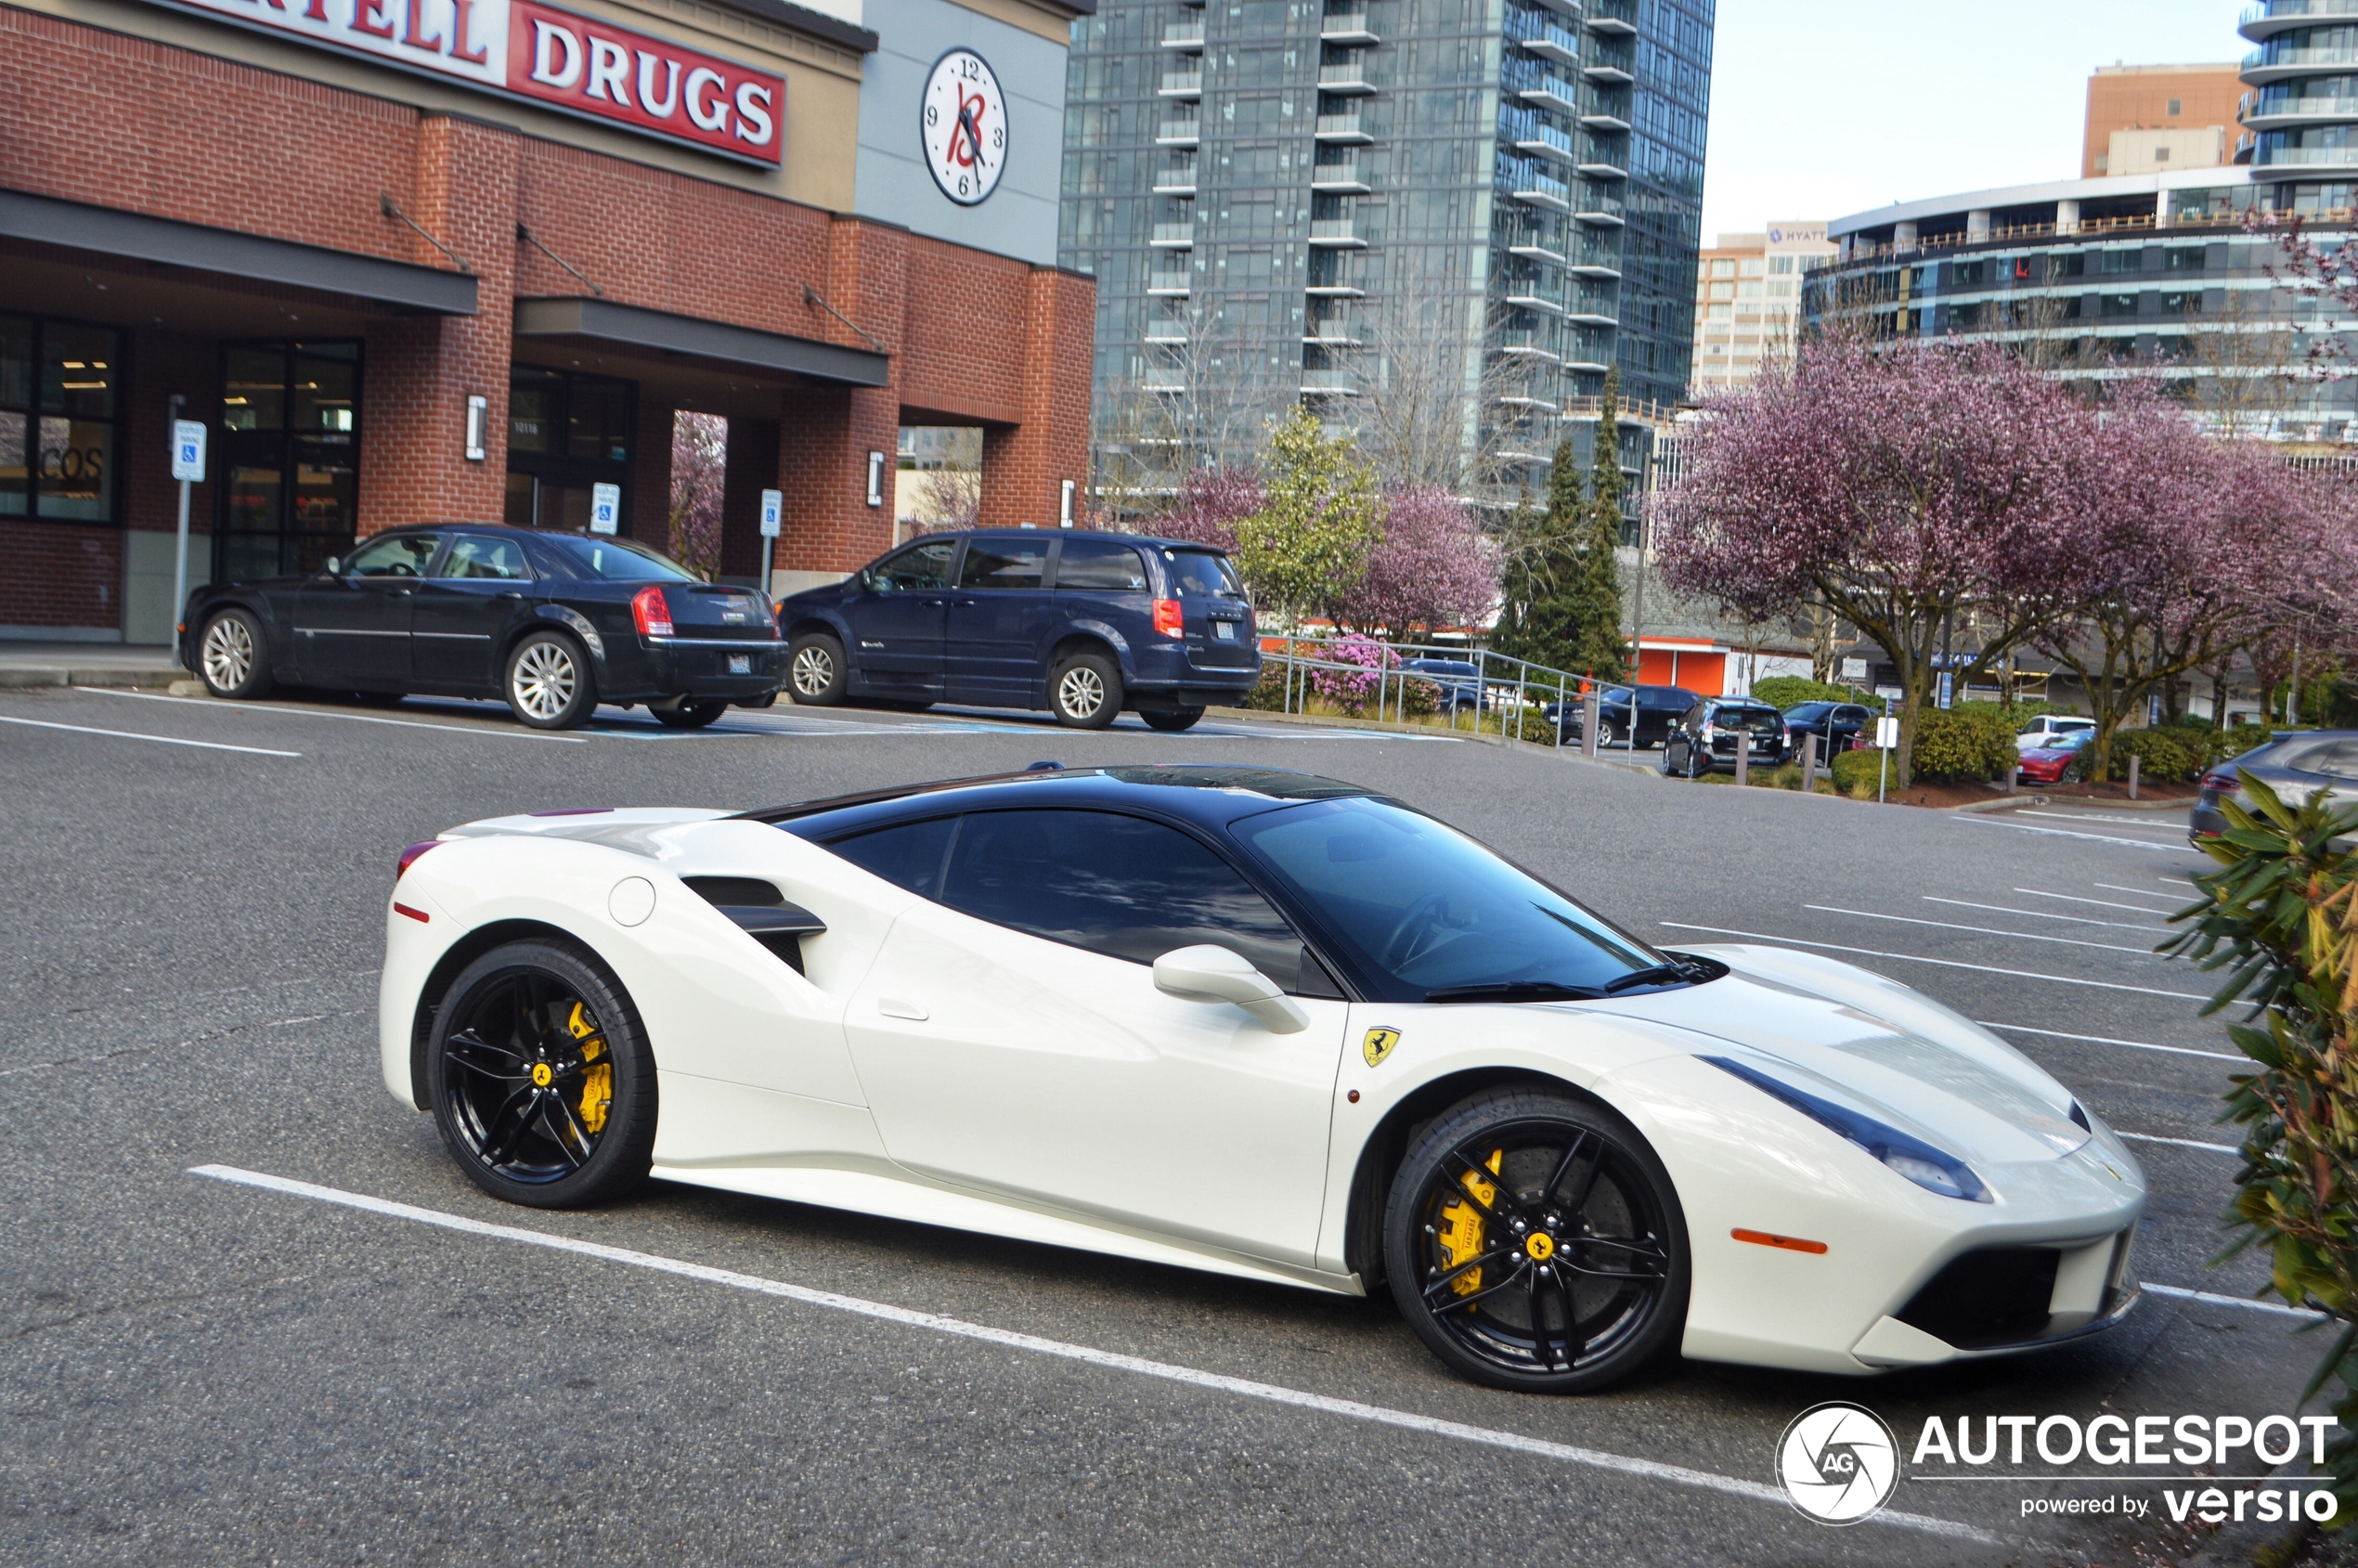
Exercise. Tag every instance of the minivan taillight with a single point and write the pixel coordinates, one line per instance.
(1169, 621)
(409, 857)
(652, 611)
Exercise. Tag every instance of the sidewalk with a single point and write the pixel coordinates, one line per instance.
(86, 664)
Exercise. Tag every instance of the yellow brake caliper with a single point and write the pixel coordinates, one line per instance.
(1461, 1227)
(597, 1079)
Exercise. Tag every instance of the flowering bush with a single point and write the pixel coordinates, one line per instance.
(1350, 689)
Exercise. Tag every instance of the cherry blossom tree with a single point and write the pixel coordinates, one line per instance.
(1907, 484)
(1210, 501)
(699, 474)
(1432, 569)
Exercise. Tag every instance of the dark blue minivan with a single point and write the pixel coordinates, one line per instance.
(1082, 624)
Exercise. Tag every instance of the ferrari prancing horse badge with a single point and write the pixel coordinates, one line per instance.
(1378, 1044)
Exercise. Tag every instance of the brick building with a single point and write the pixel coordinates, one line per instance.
(421, 260)
(2154, 119)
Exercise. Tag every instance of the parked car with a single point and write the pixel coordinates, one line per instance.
(2294, 763)
(1456, 682)
(1711, 731)
(1836, 725)
(555, 623)
(2046, 763)
(1082, 624)
(2048, 726)
(1655, 709)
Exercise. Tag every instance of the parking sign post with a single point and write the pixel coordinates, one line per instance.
(187, 467)
(1886, 739)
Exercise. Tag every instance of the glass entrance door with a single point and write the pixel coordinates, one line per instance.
(566, 434)
(289, 464)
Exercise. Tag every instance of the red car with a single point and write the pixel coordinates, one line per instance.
(2046, 764)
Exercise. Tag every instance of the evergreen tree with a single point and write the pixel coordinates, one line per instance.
(1543, 568)
(1593, 596)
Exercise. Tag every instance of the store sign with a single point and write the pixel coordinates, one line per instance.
(574, 63)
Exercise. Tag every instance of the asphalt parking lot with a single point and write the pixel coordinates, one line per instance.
(206, 1370)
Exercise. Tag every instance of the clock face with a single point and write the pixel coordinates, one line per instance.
(964, 122)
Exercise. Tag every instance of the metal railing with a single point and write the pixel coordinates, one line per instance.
(1501, 690)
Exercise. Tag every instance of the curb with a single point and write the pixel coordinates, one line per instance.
(21, 677)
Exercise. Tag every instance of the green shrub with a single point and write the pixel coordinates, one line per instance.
(1785, 691)
(1856, 772)
(2165, 755)
(1970, 740)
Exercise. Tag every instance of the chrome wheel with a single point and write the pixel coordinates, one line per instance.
(1080, 692)
(813, 671)
(544, 679)
(227, 655)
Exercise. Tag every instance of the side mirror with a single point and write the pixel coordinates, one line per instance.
(1214, 973)
(334, 565)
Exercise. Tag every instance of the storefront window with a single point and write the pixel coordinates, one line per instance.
(289, 464)
(59, 402)
(565, 435)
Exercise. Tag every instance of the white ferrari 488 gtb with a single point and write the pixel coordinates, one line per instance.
(1262, 1023)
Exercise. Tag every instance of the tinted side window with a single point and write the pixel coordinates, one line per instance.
(477, 556)
(1115, 885)
(907, 856)
(919, 567)
(1101, 565)
(1002, 564)
(404, 555)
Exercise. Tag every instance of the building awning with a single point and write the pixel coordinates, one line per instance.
(627, 328)
(223, 253)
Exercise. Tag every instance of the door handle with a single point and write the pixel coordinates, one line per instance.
(892, 1007)
(400, 592)
(509, 597)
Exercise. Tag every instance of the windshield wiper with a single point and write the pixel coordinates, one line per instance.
(1653, 975)
(1515, 990)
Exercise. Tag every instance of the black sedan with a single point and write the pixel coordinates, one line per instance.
(1835, 724)
(1655, 711)
(2295, 763)
(555, 623)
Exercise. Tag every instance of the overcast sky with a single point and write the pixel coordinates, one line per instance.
(1823, 108)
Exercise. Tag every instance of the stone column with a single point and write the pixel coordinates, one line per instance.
(1977, 224)
(650, 509)
(1903, 235)
(2066, 218)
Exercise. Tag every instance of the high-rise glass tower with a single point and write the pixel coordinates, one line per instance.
(1440, 222)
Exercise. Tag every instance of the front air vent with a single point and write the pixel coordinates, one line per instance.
(1990, 1296)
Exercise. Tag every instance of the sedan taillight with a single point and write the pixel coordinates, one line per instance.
(2223, 783)
(1169, 621)
(652, 612)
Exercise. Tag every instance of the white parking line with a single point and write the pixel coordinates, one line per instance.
(2093, 817)
(2181, 1293)
(2100, 904)
(1984, 930)
(1943, 962)
(213, 704)
(2040, 914)
(159, 740)
(2182, 1142)
(2106, 1039)
(1351, 1409)
(2112, 888)
(2093, 837)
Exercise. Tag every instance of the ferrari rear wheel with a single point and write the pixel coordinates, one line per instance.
(540, 1079)
(1535, 1243)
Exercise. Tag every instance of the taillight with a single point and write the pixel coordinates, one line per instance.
(1169, 622)
(649, 608)
(409, 857)
(2221, 782)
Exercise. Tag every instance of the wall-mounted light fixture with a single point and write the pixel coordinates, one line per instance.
(1064, 510)
(478, 423)
(875, 478)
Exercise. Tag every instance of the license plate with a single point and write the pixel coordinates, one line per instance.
(741, 664)
(1224, 631)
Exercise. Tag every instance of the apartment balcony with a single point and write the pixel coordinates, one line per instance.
(1180, 132)
(1545, 141)
(1339, 286)
(1329, 383)
(1185, 85)
(1529, 399)
(1347, 25)
(1331, 331)
(1573, 8)
(1173, 235)
(1542, 37)
(1608, 75)
(1341, 176)
(1164, 380)
(2267, 157)
(1336, 233)
(1524, 294)
(2275, 61)
(1550, 91)
(1614, 19)
(1176, 179)
(1184, 35)
(1591, 318)
(1597, 271)
(1599, 207)
(1166, 334)
(1536, 190)
(2264, 111)
(1170, 284)
(1344, 79)
(1600, 170)
(1536, 246)
(1597, 118)
(1342, 129)
(2263, 21)
(1524, 344)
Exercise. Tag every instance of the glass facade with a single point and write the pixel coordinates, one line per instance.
(1439, 222)
(288, 466)
(565, 435)
(60, 401)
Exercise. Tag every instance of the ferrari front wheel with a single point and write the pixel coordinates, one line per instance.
(540, 1079)
(1535, 1243)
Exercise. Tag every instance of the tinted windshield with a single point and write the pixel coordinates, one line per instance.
(1418, 907)
(1199, 574)
(614, 561)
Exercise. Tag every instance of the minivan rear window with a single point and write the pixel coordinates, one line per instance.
(1199, 574)
(1102, 565)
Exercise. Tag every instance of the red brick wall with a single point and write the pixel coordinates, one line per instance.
(59, 575)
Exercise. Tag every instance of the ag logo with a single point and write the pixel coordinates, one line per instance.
(1838, 1462)
(1378, 1044)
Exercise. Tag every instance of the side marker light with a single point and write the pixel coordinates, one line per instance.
(1789, 1243)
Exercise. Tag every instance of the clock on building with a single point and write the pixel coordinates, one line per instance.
(963, 119)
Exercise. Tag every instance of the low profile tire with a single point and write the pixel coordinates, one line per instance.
(540, 1079)
(1536, 1243)
(689, 716)
(548, 682)
(1085, 692)
(1175, 721)
(233, 656)
(816, 673)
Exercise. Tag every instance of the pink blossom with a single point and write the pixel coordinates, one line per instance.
(1434, 568)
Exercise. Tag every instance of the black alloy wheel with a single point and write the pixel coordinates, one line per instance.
(540, 1079)
(816, 674)
(689, 716)
(233, 656)
(1536, 1243)
(1171, 720)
